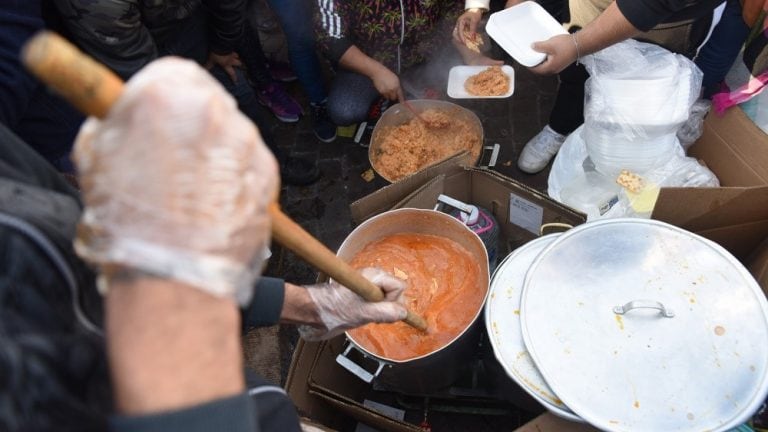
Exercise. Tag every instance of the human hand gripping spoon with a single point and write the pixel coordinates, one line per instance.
(93, 89)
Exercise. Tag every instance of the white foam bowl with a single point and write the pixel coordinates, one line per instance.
(516, 28)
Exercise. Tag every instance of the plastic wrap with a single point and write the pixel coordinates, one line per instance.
(176, 183)
(340, 309)
(637, 97)
(575, 182)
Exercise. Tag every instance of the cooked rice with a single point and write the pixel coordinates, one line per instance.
(414, 145)
(490, 82)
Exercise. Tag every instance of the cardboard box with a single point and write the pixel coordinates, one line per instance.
(323, 390)
(734, 215)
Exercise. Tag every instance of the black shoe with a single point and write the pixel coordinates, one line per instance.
(298, 171)
(324, 128)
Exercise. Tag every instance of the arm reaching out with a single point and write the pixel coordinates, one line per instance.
(608, 28)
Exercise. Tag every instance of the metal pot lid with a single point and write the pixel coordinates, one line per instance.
(502, 322)
(700, 366)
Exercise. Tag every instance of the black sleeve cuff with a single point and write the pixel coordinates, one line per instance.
(337, 48)
(645, 15)
(267, 303)
(233, 414)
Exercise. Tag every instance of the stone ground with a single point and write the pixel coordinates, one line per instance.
(323, 208)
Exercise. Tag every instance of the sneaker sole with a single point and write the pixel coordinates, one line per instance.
(285, 80)
(326, 140)
(282, 119)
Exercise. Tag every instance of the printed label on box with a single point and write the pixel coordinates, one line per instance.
(525, 214)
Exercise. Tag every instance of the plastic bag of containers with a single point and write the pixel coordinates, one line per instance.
(575, 182)
(640, 102)
(637, 97)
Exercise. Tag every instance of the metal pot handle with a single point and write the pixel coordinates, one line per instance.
(644, 304)
(355, 368)
(494, 149)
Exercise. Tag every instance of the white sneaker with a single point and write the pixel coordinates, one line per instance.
(540, 150)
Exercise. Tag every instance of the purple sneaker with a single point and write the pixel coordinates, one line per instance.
(282, 105)
(281, 71)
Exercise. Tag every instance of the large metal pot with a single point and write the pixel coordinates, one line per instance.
(399, 114)
(438, 368)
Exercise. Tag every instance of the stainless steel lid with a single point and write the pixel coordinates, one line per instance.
(638, 325)
(502, 322)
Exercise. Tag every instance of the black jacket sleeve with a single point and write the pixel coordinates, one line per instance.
(267, 303)
(647, 14)
(226, 24)
(233, 414)
(332, 29)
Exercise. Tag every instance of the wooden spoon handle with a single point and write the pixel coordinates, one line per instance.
(93, 89)
(289, 234)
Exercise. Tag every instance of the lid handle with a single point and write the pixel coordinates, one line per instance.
(644, 304)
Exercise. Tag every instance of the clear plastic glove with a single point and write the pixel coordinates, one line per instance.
(176, 183)
(340, 309)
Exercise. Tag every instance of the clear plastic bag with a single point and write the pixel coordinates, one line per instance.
(575, 182)
(637, 97)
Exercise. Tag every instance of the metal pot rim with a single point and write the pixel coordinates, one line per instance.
(420, 104)
(477, 314)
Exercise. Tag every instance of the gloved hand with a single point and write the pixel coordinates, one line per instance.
(340, 309)
(176, 183)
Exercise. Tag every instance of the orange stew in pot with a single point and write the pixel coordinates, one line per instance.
(444, 287)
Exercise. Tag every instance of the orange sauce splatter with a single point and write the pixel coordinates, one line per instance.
(444, 287)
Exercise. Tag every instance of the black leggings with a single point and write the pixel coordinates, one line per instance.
(350, 98)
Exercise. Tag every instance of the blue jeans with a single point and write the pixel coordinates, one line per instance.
(296, 20)
(718, 54)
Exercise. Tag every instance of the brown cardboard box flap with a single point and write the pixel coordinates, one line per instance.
(697, 209)
(297, 386)
(737, 152)
(734, 148)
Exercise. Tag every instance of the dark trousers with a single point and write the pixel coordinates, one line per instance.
(718, 54)
(191, 41)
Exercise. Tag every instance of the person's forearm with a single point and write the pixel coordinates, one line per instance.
(511, 3)
(298, 307)
(608, 28)
(170, 345)
(359, 62)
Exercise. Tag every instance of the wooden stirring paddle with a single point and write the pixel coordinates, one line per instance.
(93, 89)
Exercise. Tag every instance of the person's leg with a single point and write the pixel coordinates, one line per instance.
(191, 41)
(350, 98)
(270, 93)
(296, 20)
(718, 54)
(566, 116)
(568, 112)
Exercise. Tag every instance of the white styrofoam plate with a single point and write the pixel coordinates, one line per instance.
(516, 28)
(459, 75)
